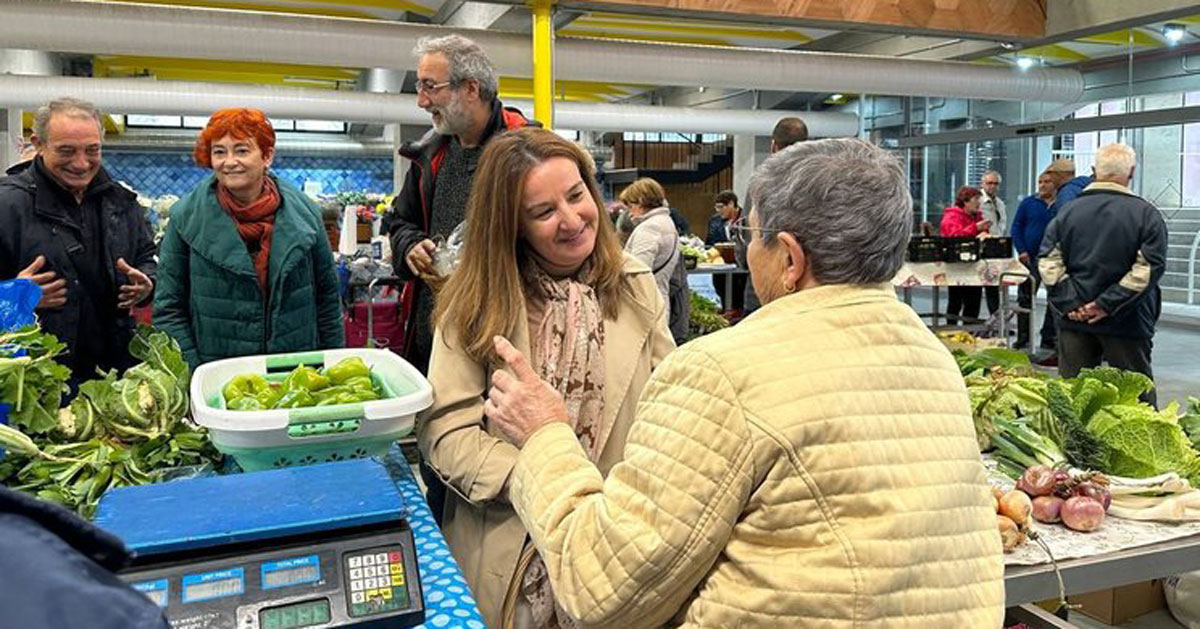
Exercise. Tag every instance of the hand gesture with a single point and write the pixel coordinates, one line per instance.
(983, 225)
(1089, 313)
(136, 290)
(520, 403)
(420, 258)
(54, 291)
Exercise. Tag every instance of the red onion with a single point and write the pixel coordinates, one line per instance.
(1096, 492)
(1047, 509)
(1082, 513)
(1038, 480)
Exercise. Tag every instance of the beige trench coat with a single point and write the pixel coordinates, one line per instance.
(475, 460)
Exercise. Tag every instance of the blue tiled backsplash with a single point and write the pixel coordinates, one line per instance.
(156, 174)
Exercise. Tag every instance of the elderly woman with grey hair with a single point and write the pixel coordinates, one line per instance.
(814, 465)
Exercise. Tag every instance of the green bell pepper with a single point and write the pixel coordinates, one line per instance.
(305, 378)
(296, 398)
(245, 403)
(352, 367)
(249, 384)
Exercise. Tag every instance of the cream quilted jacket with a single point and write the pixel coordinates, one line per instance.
(814, 466)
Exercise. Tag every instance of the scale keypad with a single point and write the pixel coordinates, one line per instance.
(376, 581)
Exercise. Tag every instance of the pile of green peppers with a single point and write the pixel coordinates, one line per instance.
(347, 382)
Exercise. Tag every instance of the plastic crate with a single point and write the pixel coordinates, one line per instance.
(960, 249)
(925, 249)
(996, 247)
(267, 439)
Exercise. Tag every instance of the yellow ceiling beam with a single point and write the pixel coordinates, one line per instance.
(1121, 38)
(251, 6)
(386, 5)
(594, 34)
(1054, 51)
(108, 65)
(719, 30)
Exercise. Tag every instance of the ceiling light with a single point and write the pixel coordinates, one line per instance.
(1007, 45)
(1174, 32)
(836, 96)
(1024, 63)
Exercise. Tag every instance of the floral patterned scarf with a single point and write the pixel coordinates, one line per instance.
(568, 353)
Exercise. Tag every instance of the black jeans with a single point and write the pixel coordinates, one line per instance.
(1049, 333)
(992, 293)
(964, 301)
(1077, 350)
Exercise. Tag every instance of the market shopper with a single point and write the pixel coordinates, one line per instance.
(653, 241)
(542, 267)
(813, 466)
(993, 209)
(80, 235)
(1028, 229)
(246, 266)
(457, 84)
(57, 571)
(1067, 186)
(964, 220)
(1101, 261)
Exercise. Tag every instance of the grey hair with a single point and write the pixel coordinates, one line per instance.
(1114, 161)
(66, 106)
(999, 178)
(845, 200)
(467, 60)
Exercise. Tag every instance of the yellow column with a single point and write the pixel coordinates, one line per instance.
(543, 62)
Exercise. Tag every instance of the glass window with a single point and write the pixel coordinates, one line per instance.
(195, 122)
(321, 125)
(142, 120)
(1191, 157)
(283, 124)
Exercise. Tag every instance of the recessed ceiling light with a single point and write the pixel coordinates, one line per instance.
(1174, 32)
(1024, 63)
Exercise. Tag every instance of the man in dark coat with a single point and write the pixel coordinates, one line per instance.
(1101, 261)
(56, 571)
(79, 235)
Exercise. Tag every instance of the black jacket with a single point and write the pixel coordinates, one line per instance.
(36, 222)
(1108, 246)
(411, 218)
(56, 571)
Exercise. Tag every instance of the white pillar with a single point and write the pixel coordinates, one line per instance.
(399, 164)
(12, 137)
(748, 152)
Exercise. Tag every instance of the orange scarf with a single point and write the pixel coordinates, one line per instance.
(255, 223)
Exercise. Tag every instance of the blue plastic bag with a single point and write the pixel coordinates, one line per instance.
(18, 298)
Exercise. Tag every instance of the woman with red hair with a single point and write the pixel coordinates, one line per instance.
(964, 220)
(245, 266)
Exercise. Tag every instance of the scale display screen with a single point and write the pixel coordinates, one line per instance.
(294, 571)
(303, 614)
(202, 587)
(157, 591)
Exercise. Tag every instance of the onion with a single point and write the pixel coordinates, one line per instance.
(1046, 509)
(1037, 480)
(1016, 505)
(1010, 533)
(1091, 490)
(1082, 513)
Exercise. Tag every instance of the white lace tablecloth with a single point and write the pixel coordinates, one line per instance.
(1113, 535)
(980, 273)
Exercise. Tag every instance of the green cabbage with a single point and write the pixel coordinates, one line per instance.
(1144, 442)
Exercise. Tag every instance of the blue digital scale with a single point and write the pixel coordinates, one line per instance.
(316, 546)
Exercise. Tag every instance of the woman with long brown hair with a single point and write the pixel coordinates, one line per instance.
(542, 267)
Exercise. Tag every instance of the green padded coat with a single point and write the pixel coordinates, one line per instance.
(208, 297)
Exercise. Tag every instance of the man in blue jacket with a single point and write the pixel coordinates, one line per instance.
(1101, 261)
(1028, 228)
(56, 571)
(1067, 185)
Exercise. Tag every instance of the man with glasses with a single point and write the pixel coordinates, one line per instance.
(457, 85)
